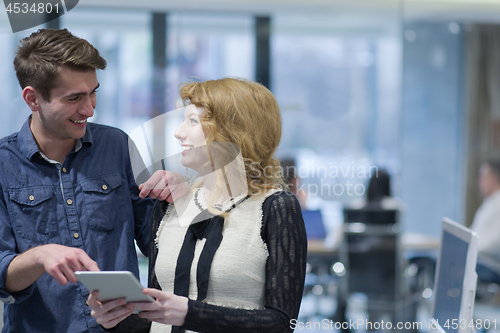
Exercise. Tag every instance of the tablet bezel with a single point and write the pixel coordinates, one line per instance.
(113, 285)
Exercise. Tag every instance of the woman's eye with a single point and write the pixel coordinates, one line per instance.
(193, 121)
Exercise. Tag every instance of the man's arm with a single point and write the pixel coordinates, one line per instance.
(58, 261)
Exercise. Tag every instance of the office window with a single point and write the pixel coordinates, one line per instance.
(207, 46)
(204, 46)
(123, 37)
(337, 84)
(14, 111)
(433, 124)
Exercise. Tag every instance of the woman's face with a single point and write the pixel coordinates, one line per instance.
(192, 139)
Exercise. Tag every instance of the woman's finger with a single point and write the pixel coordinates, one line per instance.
(158, 294)
(144, 306)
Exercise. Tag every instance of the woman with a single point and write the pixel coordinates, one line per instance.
(229, 256)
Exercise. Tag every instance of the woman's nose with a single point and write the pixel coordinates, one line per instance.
(179, 133)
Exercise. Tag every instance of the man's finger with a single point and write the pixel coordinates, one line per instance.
(164, 194)
(89, 264)
(75, 263)
(58, 276)
(149, 184)
(68, 273)
(158, 189)
(113, 304)
(117, 320)
(93, 298)
(179, 191)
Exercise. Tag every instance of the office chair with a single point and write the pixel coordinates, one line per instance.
(372, 256)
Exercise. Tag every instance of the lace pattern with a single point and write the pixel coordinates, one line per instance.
(162, 223)
(283, 233)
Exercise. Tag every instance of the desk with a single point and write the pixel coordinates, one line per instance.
(318, 247)
(321, 258)
(416, 241)
(409, 241)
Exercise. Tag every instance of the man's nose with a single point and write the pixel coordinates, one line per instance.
(88, 106)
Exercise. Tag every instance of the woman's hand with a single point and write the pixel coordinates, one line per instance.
(108, 314)
(168, 308)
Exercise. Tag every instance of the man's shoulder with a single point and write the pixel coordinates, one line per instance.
(106, 133)
(7, 141)
(104, 129)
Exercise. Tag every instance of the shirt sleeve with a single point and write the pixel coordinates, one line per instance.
(283, 231)
(142, 207)
(8, 251)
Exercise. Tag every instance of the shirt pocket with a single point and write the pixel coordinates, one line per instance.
(35, 212)
(103, 202)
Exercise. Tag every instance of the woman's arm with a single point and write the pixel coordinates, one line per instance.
(159, 209)
(284, 233)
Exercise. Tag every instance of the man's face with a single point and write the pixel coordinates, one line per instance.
(488, 182)
(73, 100)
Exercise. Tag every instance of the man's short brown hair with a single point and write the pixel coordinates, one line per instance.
(41, 55)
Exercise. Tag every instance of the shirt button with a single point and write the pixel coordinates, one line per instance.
(31, 197)
(75, 235)
(69, 201)
(104, 187)
(64, 170)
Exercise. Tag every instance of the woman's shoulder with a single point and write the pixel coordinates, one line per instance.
(158, 211)
(282, 198)
(281, 205)
(282, 214)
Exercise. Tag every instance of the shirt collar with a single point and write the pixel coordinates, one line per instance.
(493, 197)
(28, 146)
(87, 138)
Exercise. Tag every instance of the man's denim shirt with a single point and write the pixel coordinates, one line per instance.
(89, 202)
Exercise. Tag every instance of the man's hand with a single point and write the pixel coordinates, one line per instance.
(164, 185)
(58, 261)
(61, 262)
(108, 314)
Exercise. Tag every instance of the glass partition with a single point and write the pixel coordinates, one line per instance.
(337, 78)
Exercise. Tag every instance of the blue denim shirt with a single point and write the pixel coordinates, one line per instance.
(90, 201)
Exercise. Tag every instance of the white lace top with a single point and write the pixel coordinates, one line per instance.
(238, 272)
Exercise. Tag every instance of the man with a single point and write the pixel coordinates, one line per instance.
(487, 221)
(68, 199)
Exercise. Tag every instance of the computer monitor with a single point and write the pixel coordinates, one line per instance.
(371, 215)
(313, 221)
(455, 281)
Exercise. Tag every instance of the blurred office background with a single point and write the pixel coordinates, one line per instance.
(410, 86)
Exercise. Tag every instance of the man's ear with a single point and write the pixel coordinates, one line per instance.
(32, 98)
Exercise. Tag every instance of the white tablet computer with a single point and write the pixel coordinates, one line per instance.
(113, 284)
